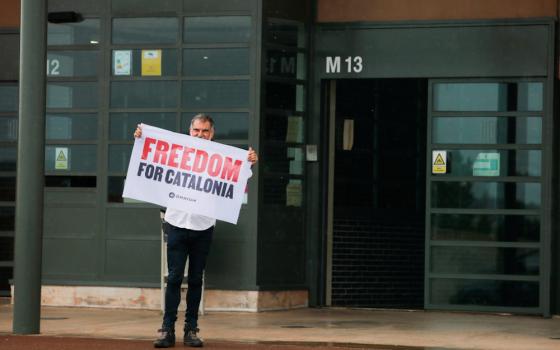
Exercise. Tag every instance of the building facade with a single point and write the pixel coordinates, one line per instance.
(408, 149)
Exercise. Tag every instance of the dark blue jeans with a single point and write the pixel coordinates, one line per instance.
(182, 244)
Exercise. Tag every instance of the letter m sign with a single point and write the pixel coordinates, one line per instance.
(333, 64)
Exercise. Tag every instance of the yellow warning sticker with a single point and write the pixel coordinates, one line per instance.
(61, 158)
(439, 162)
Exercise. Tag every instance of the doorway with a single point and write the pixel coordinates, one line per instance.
(377, 192)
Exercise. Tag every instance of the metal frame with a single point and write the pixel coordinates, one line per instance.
(321, 110)
(330, 190)
(103, 210)
(544, 180)
(274, 16)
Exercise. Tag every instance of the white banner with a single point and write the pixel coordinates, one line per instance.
(187, 173)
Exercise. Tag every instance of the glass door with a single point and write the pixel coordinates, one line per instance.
(8, 155)
(484, 242)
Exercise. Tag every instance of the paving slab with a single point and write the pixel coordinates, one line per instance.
(323, 326)
(26, 342)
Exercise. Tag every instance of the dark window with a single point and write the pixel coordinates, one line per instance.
(285, 33)
(484, 292)
(284, 159)
(216, 94)
(72, 95)
(122, 125)
(8, 156)
(7, 189)
(485, 260)
(224, 29)
(70, 181)
(115, 189)
(79, 33)
(72, 63)
(144, 94)
(486, 227)
(285, 96)
(487, 130)
(71, 126)
(6, 274)
(486, 195)
(7, 218)
(79, 158)
(8, 98)
(119, 157)
(157, 30)
(6, 248)
(8, 128)
(498, 97)
(284, 128)
(216, 62)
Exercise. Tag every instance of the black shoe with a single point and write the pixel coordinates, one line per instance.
(191, 339)
(166, 338)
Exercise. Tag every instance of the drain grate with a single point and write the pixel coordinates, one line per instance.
(53, 318)
(294, 326)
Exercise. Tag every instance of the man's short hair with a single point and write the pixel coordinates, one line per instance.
(203, 118)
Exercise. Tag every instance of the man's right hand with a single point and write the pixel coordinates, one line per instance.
(138, 131)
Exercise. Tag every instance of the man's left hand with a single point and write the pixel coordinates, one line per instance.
(252, 156)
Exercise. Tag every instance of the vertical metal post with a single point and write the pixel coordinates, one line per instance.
(30, 163)
(330, 192)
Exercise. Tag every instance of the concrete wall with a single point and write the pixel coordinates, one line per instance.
(10, 14)
(404, 10)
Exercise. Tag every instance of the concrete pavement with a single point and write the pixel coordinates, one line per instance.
(30, 342)
(427, 329)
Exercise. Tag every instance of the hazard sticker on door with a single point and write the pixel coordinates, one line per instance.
(61, 158)
(439, 162)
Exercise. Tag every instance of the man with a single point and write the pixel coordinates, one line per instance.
(188, 236)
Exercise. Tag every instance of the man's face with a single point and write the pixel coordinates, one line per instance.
(202, 129)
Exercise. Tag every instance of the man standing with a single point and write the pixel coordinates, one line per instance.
(188, 236)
